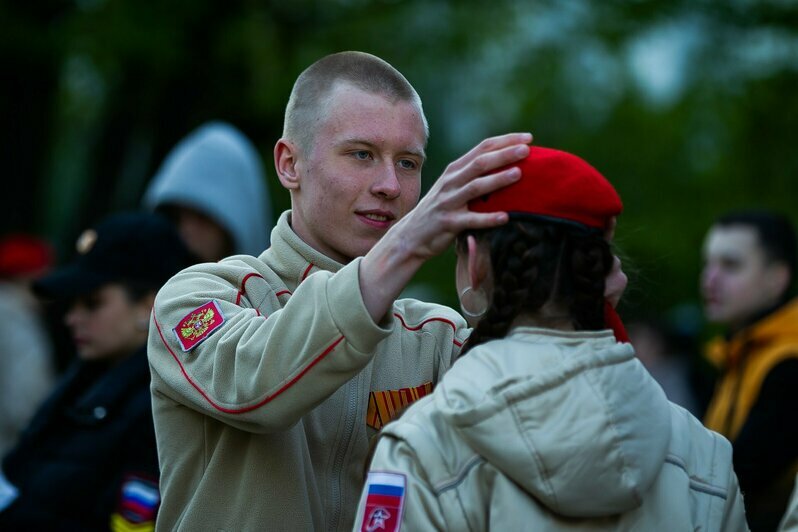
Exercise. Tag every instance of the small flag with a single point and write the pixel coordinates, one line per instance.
(138, 504)
(384, 501)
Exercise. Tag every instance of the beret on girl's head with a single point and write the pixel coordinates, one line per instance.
(556, 184)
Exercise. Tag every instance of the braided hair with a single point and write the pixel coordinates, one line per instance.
(537, 260)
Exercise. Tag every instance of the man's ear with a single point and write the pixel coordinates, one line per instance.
(477, 268)
(285, 162)
(777, 279)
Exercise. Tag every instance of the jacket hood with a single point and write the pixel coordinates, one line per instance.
(778, 325)
(217, 171)
(572, 417)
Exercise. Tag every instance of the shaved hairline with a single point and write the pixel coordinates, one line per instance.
(310, 96)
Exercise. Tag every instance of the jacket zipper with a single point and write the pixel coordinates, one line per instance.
(341, 452)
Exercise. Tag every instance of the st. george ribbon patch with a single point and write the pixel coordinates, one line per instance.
(198, 325)
(386, 405)
(384, 502)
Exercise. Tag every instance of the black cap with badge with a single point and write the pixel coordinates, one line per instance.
(132, 247)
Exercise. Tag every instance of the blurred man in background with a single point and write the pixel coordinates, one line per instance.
(749, 269)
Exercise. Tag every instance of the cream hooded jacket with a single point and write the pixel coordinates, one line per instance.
(548, 430)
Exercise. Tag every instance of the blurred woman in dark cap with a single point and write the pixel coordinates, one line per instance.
(87, 460)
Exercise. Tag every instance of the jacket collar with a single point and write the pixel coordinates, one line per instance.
(291, 257)
(778, 325)
(104, 388)
(110, 389)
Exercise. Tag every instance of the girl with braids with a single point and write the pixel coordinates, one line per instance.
(547, 421)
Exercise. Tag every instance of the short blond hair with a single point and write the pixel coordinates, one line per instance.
(369, 73)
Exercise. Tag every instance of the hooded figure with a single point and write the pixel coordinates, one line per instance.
(214, 177)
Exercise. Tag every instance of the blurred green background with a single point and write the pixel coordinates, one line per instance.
(688, 106)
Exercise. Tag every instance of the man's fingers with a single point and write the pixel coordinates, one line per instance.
(488, 220)
(486, 184)
(477, 220)
(489, 145)
(486, 164)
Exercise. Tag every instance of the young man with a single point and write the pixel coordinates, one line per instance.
(271, 373)
(750, 261)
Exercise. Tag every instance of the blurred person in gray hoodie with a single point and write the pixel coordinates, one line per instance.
(212, 185)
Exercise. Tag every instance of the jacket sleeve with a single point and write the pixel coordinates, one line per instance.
(260, 372)
(421, 508)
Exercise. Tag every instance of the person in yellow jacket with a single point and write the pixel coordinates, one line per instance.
(746, 283)
(546, 422)
(271, 373)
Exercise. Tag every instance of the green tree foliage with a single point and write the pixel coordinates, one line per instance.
(689, 107)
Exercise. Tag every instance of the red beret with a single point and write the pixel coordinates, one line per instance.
(22, 254)
(556, 184)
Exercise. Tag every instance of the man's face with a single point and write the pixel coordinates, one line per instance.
(361, 174)
(737, 279)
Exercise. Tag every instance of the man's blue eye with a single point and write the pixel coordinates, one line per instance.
(362, 155)
(407, 164)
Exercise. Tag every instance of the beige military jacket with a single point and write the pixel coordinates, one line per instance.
(268, 379)
(549, 430)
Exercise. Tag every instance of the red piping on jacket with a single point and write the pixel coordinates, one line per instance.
(260, 403)
(307, 271)
(243, 289)
(420, 325)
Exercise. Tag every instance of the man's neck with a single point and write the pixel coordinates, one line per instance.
(756, 317)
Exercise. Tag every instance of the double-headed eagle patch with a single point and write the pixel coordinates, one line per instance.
(198, 325)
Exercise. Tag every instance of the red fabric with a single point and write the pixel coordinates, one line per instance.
(199, 324)
(24, 255)
(557, 184)
(613, 321)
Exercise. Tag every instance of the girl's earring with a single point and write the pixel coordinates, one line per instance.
(477, 300)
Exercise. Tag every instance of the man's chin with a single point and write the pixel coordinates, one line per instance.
(720, 318)
(713, 314)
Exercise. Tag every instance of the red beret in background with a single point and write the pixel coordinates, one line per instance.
(24, 255)
(557, 184)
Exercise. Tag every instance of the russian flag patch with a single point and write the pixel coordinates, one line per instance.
(138, 501)
(198, 324)
(385, 497)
